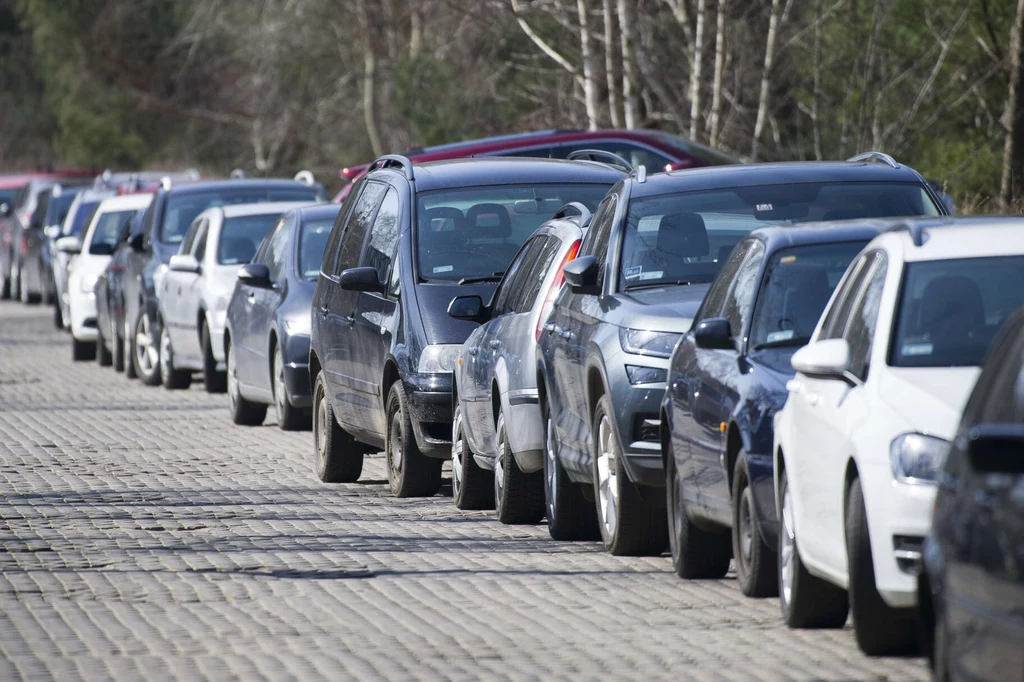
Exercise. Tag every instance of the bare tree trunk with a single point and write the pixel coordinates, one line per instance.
(1013, 113)
(589, 87)
(716, 91)
(628, 65)
(816, 92)
(614, 101)
(695, 69)
(775, 19)
(415, 28)
(369, 80)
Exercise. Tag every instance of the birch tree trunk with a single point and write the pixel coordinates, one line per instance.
(774, 20)
(614, 101)
(695, 69)
(716, 90)
(415, 28)
(589, 87)
(1013, 118)
(369, 80)
(629, 95)
(816, 91)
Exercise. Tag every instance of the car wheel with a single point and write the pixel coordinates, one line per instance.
(696, 552)
(570, 515)
(243, 412)
(170, 377)
(630, 525)
(82, 350)
(117, 357)
(880, 629)
(807, 601)
(410, 472)
(518, 497)
(213, 380)
(289, 418)
(939, 655)
(5, 287)
(145, 351)
(339, 458)
(471, 485)
(756, 564)
(129, 352)
(103, 356)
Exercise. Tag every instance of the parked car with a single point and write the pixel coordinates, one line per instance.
(870, 415)
(382, 346)
(35, 272)
(654, 246)
(192, 297)
(728, 374)
(651, 148)
(497, 432)
(174, 208)
(109, 306)
(972, 584)
(90, 256)
(78, 219)
(266, 340)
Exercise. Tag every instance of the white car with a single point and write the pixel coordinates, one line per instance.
(193, 293)
(876, 399)
(89, 256)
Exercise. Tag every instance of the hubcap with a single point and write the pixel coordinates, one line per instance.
(499, 465)
(746, 528)
(232, 379)
(607, 476)
(788, 548)
(145, 348)
(280, 396)
(321, 428)
(395, 451)
(678, 513)
(458, 448)
(550, 470)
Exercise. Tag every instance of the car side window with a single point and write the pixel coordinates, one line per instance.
(714, 300)
(277, 252)
(835, 319)
(544, 256)
(860, 332)
(190, 237)
(356, 226)
(330, 260)
(600, 233)
(199, 251)
(383, 236)
(514, 278)
(740, 298)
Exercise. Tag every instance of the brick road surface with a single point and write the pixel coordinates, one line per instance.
(143, 536)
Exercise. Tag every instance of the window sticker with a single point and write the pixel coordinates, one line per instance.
(653, 274)
(443, 268)
(784, 335)
(913, 349)
(764, 207)
(633, 271)
(786, 260)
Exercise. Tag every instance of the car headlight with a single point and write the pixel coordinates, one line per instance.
(88, 283)
(297, 325)
(917, 458)
(643, 342)
(438, 359)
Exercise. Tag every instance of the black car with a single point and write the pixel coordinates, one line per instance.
(408, 240)
(163, 227)
(654, 246)
(730, 372)
(266, 341)
(971, 589)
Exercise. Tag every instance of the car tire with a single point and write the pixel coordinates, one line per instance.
(339, 458)
(756, 564)
(27, 297)
(172, 379)
(15, 280)
(289, 417)
(630, 525)
(881, 630)
(518, 497)
(697, 553)
(243, 412)
(570, 515)
(117, 356)
(129, 365)
(472, 486)
(103, 355)
(146, 357)
(82, 350)
(806, 600)
(939, 658)
(214, 381)
(5, 288)
(410, 472)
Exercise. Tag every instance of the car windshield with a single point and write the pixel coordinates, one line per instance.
(687, 237)
(107, 230)
(950, 310)
(7, 196)
(798, 283)
(81, 219)
(182, 209)
(241, 236)
(57, 208)
(476, 231)
(312, 242)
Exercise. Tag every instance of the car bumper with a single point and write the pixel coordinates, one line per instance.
(638, 418)
(82, 308)
(430, 411)
(296, 382)
(526, 435)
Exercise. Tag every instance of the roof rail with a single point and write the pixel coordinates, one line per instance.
(165, 182)
(393, 161)
(583, 211)
(916, 231)
(877, 157)
(640, 173)
(600, 156)
(305, 177)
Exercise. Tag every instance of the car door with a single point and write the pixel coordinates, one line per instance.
(173, 289)
(264, 306)
(189, 300)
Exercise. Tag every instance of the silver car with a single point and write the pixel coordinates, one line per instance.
(497, 424)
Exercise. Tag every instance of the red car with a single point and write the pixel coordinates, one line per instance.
(654, 149)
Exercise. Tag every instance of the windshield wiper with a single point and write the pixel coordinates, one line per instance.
(493, 277)
(662, 283)
(784, 343)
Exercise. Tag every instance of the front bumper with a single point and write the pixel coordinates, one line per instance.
(82, 308)
(296, 382)
(638, 417)
(430, 411)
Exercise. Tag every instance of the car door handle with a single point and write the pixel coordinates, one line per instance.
(566, 334)
(474, 350)
(494, 343)
(350, 319)
(323, 311)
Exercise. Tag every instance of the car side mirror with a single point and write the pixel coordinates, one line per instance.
(136, 242)
(183, 262)
(361, 279)
(5, 210)
(255, 275)
(829, 358)
(69, 245)
(996, 448)
(714, 333)
(468, 308)
(52, 231)
(581, 275)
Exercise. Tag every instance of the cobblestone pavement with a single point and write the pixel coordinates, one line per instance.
(143, 536)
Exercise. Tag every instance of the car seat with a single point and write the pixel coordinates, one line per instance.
(492, 222)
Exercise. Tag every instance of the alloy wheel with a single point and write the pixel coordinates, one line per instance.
(458, 452)
(280, 392)
(232, 379)
(395, 449)
(746, 531)
(321, 430)
(607, 476)
(499, 468)
(145, 347)
(551, 470)
(787, 547)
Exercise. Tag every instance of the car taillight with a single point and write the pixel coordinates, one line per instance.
(556, 286)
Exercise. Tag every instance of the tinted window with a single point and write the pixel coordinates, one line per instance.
(516, 279)
(835, 320)
(860, 332)
(313, 237)
(276, 252)
(798, 283)
(81, 219)
(108, 228)
(358, 222)
(181, 209)
(714, 300)
(684, 237)
(383, 236)
(541, 264)
(57, 209)
(634, 154)
(7, 196)
(741, 297)
(600, 233)
(199, 250)
(476, 231)
(241, 236)
(190, 236)
(330, 257)
(950, 311)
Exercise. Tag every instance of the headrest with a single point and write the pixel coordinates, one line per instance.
(489, 220)
(954, 297)
(683, 235)
(445, 219)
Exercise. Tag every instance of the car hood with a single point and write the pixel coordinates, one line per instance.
(930, 399)
(667, 309)
(433, 300)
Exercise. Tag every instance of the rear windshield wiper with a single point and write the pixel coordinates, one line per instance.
(783, 343)
(493, 277)
(649, 285)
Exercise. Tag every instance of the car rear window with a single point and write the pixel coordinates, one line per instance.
(182, 209)
(241, 236)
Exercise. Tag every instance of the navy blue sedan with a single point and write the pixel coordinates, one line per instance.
(727, 379)
(266, 342)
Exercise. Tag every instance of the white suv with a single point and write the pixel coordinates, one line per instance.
(876, 399)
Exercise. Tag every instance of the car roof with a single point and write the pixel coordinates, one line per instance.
(949, 238)
(19, 180)
(264, 208)
(777, 237)
(485, 171)
(126, 201)
(318, 211)
(202, 186)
